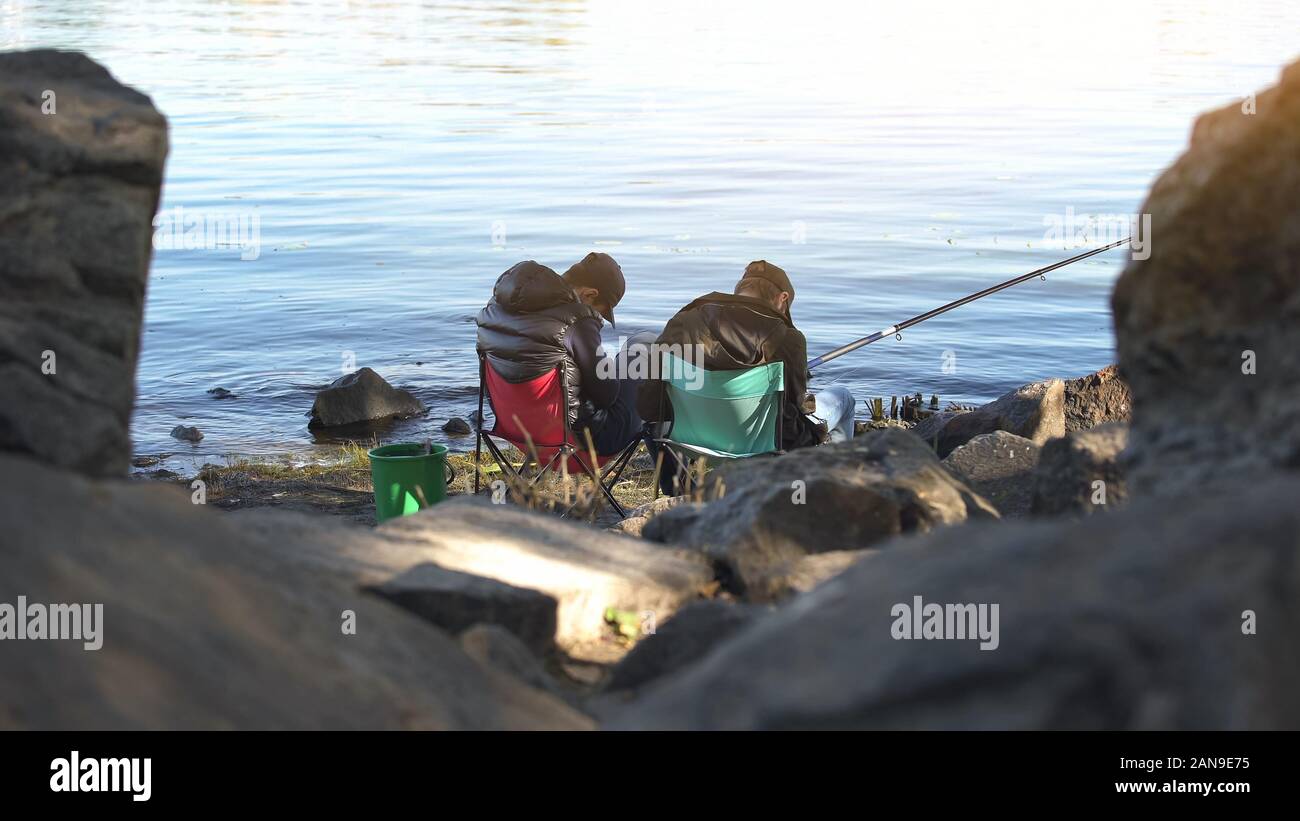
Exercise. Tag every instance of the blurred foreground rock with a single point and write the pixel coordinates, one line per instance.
(1208, 327)
(207, 626)
(81, 160)
(1129, 621)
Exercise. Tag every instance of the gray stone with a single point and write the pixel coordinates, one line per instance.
(634, 523)
(1097, 399)
(1035, 411)
(1000, 467)
(187, 434)
(1219, 292)
(498, 649)
(1068, 469)
(1130, 621)
(834, 497)
(683, 639)
(362, 396)
(457, 601)
(81, 186)
(206, 625)
(457, 427)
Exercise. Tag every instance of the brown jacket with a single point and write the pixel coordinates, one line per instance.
(741, 332)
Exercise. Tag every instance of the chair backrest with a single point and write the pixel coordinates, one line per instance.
(733, 412)
(534, 411)
(535, 408)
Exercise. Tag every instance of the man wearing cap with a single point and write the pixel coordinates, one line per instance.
(538, 320)
(749, 327)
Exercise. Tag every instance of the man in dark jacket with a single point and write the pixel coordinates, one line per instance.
(538, 320)
(741, 330)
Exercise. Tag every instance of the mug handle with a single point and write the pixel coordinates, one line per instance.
(451, 472)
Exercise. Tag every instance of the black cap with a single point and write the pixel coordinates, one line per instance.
(762, 269)
(599, 271)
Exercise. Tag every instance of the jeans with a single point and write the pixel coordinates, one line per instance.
(835, 407)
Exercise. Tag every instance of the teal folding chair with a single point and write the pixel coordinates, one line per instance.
(720, 414)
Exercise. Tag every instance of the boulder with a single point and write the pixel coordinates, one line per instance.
(583, 569)
(206, 625)
(82, 172)
(1208, 325)
(634, 523)
(457, 427)
(836, 497)
(1000, 467)
(1070, 468)
(1035, 412)
(496, 648)
(362, 396)
(187, 433)
(457, 601)
(1097, 399)
(683, 639)
(1152, 618)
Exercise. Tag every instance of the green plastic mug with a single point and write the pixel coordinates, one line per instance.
(407, 479)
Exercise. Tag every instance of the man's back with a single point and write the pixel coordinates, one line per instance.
(732, 332)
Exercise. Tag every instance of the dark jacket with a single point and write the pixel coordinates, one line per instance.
(741, 332)
(536, 322)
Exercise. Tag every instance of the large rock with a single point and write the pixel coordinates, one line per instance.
(81, 186)
(635, 521)
(458, 601)
(1097, 399)
(836, 497)
(1082, 473)
(1000, 467)
(497, 649)
(1035, 412)
(1175, 614)
(583, 569)
(362, 396)
(683, 639)
(205, 625)
(1208, 327)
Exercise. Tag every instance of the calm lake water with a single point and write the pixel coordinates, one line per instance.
(397, 156)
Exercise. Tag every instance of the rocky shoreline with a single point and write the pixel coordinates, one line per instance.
(1143, 570)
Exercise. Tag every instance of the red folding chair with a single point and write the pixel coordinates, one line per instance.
(532, 416)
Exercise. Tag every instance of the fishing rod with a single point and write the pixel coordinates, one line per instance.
(900, 327)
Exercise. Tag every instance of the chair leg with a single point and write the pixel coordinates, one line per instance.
(478, 458)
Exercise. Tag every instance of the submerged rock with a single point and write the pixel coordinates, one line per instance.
(80, 187)
(362, 396)
(836, 497)
(220, 393)
(1208, 325)
(1082, 473)
(1140, 620)
(1097, 399)
(457, 427)
(1000, 467)
(187, 433)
